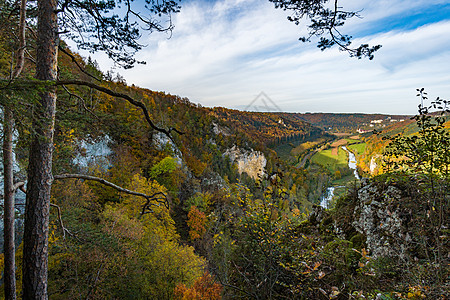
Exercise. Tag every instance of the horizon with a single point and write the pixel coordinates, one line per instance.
(223, 53)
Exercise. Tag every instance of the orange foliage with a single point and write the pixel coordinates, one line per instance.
(204, 288)
(196, 222)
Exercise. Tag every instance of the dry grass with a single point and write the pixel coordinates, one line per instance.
(334, 151)
(341, 134)
(341, 142)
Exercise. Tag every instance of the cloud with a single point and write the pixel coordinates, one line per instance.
(224, 53)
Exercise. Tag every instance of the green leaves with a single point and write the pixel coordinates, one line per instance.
(166, 165)
(427, 151)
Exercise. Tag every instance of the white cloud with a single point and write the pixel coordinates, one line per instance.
(225, 54)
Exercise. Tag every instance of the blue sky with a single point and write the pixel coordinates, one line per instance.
(225, 52)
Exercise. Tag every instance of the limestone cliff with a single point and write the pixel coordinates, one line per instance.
(374, 166)
(379, 218)
(251, 162)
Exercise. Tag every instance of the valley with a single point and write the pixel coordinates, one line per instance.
(116, 191)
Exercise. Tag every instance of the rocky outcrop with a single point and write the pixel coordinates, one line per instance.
(251, 162)
(373, 167)
(160, 141)
(93, 152)
(379, 219)
(217, 129)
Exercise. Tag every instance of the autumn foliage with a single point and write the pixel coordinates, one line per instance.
(197, 223)
(204, 288)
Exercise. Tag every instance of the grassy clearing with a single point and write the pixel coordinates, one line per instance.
(330, 161)
(358, 148)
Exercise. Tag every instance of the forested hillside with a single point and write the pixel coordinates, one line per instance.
(268, 128)
(147, 243)
(338, 122)
(371, 159)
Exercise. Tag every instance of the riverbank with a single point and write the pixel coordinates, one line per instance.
(331, 191)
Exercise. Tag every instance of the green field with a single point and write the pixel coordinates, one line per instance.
(330, 161)
(358, 149)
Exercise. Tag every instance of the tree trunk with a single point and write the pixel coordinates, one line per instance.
(35, 251)
(9, 190)
(8, 201)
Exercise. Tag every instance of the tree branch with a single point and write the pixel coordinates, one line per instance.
(158, 197)
(123, 96)
(74, 60)
(83, 102)
(19, 185)
(64, 229)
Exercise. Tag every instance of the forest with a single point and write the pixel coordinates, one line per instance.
(113, 191)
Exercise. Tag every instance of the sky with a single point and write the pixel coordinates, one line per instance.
(227, 52)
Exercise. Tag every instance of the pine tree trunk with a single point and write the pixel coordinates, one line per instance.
(8, 201)
(35, 251)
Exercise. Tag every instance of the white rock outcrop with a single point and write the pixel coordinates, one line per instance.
(380, 222)
(251, 162)
(373, 164)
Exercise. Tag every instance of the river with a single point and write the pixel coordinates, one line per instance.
(352, 162)
(325, 201)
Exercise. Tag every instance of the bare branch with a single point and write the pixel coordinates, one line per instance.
(19, 185)
(83, 102)
(123, 96)
(74, 60)
(64, 229)
(159, 197)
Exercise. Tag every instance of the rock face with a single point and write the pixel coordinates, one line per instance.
(251, 162)
(373, 164)
(93, 153)
(220, 130)
(160, 140)
(381, 222)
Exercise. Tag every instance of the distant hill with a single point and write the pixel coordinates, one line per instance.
(340, 122)
(267, 128)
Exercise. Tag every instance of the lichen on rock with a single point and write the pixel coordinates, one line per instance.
(379, 220)
(251, 162)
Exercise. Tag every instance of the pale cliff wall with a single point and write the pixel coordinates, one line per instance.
(251, 162)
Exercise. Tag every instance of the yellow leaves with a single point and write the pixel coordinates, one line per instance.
(120, 225)
(2, 261)
(334, 292)
(416, 292)
(312, 269)
(296, 213)
(143, 185)
(52, 236)
(364, 254)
